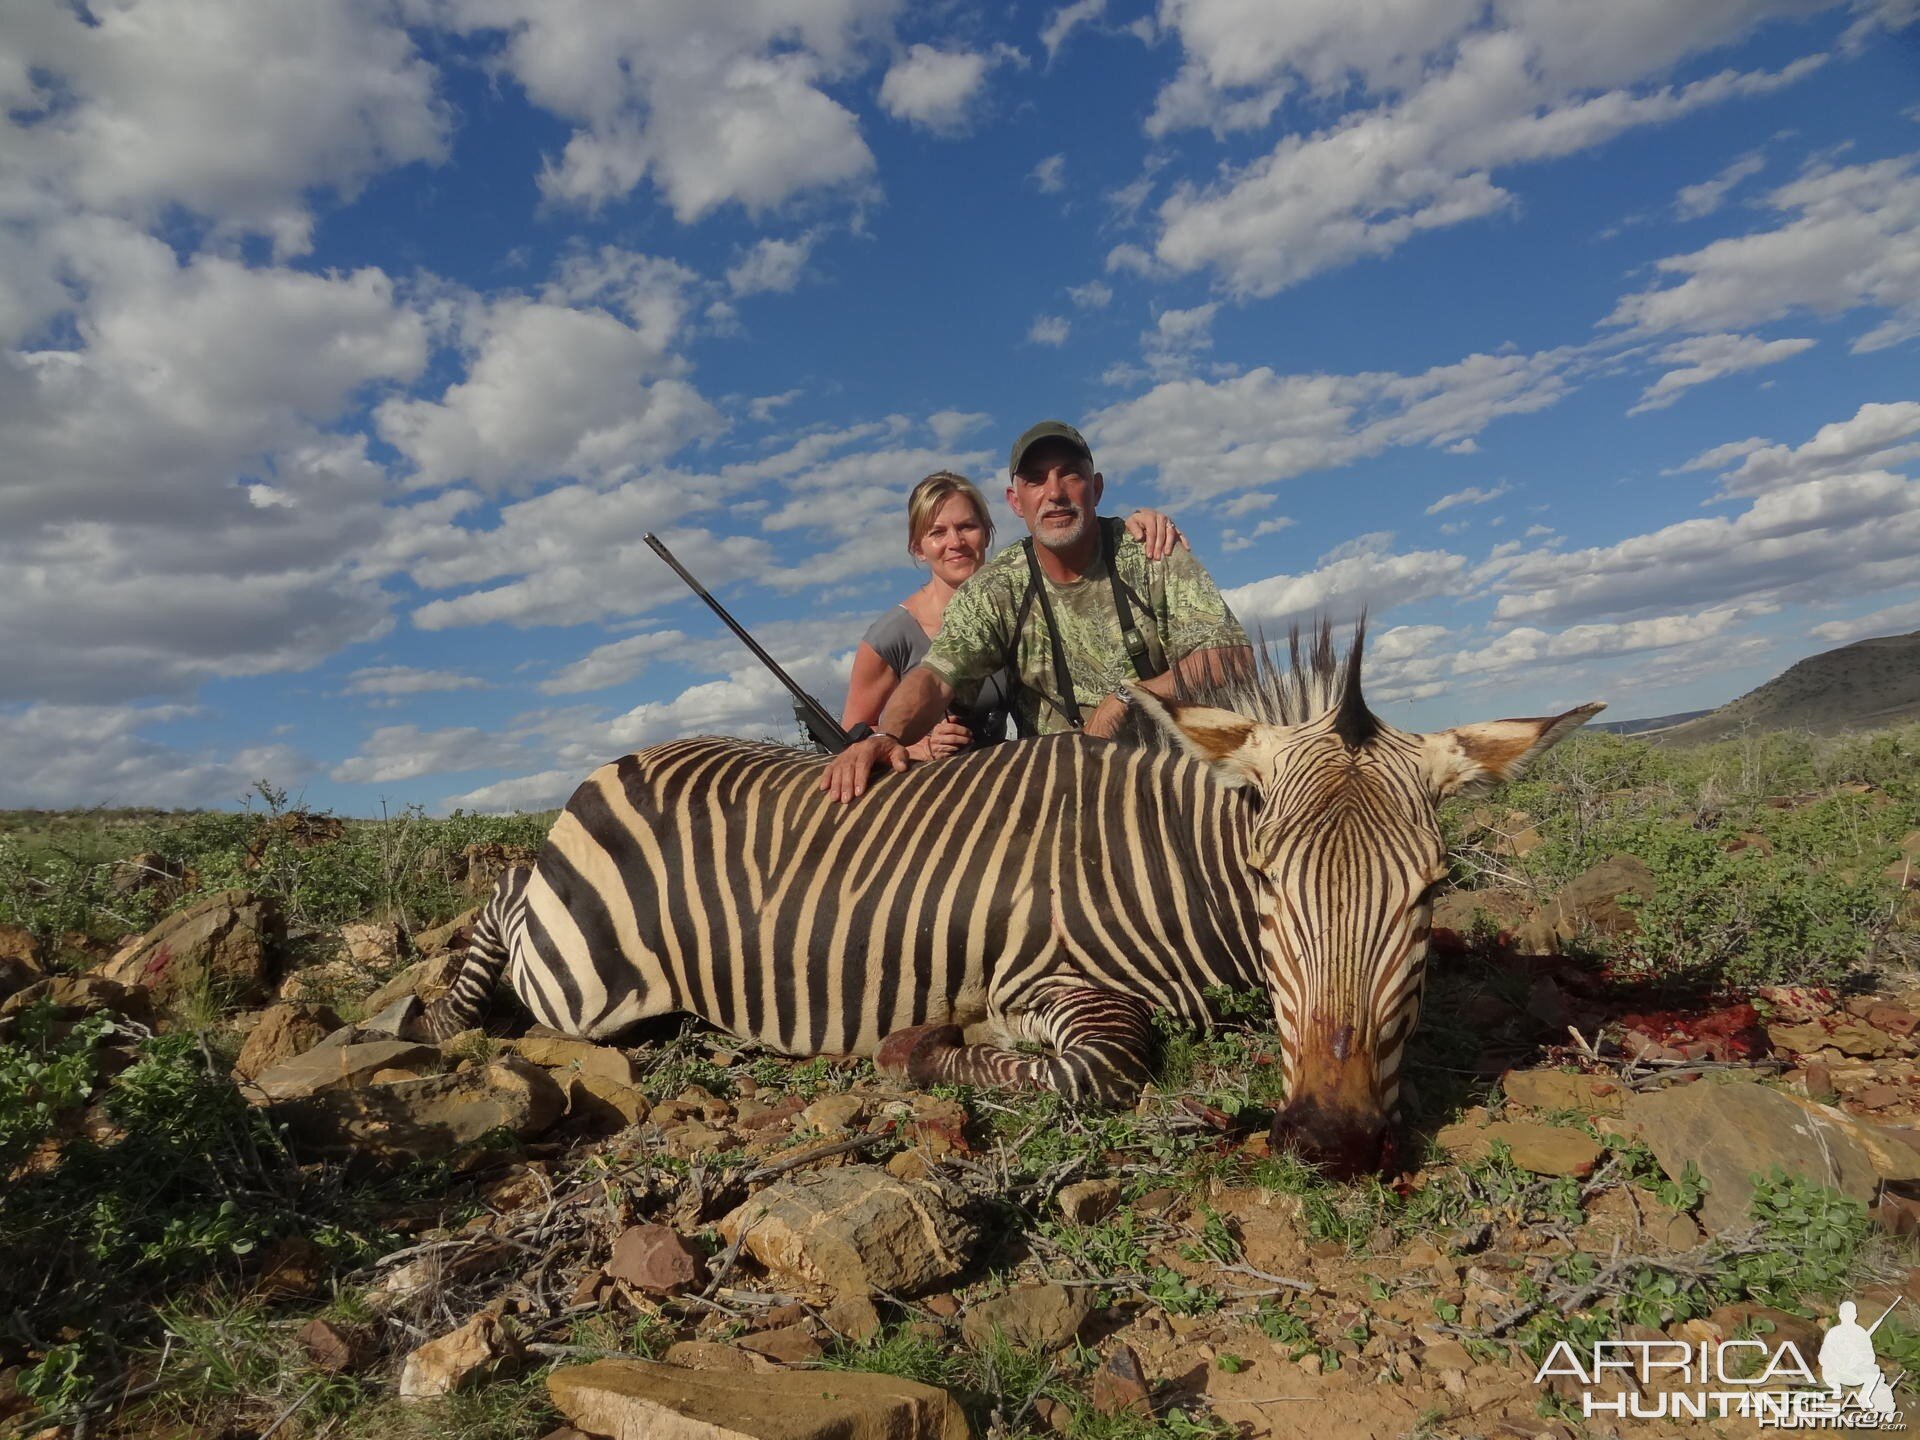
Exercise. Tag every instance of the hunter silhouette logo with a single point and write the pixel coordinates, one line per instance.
(1848, 1364)
(1754, 1378)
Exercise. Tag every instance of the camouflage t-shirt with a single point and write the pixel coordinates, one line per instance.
(1177, 608)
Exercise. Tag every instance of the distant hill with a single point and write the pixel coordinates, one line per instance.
(1652, 722)
(1862, 686)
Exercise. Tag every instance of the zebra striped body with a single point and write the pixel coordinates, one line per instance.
(712, 876)
(1056, 891)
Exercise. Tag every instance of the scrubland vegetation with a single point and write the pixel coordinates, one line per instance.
(162, 1243)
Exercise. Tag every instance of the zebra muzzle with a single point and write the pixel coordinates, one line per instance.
(1333, 1116)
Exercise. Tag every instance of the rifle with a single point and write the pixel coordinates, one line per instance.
(821, 727)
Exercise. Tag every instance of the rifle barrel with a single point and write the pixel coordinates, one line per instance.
(823, 726)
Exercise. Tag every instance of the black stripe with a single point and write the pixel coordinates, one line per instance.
(590, 916)
(597, 820)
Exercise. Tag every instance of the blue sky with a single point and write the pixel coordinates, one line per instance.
(348, 349)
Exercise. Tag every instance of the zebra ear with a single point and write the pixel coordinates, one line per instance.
(1470, 758)
(1218, 737)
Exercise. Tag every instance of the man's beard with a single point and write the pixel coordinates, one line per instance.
(1055, 539)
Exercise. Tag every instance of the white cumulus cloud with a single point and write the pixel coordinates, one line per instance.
(770, 264)
(1472, 495)
(1874, 436)
(1848, 237)
(406, 752)
(396, 680)
(611, 664)
(550, 391)
(1695, 201)
(714, 105)
(1344, 585)
(1462, 98)
(1210, 438)
(1527, 646)
(1708, 357)
(1049, 330)
(65, 756)
(936, 88)
(232, 110)
(1891, 620)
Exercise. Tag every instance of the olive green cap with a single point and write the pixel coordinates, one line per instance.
(1047, 430)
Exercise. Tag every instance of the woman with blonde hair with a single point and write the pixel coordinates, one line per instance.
(949, 531)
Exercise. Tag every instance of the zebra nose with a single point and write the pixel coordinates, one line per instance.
(1334, 1116)
(1343, 1145)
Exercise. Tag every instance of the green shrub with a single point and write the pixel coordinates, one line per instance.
(45, 1070)
(1806, 902)
(194, 1182)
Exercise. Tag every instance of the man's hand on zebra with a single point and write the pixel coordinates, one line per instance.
(917, 705)
(846, 775)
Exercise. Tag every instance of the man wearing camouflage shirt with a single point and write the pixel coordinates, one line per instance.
(1075, 613)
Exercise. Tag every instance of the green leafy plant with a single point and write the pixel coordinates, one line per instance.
(46, 1070)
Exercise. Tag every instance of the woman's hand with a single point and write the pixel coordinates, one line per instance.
(949, 737)
(1156, 532)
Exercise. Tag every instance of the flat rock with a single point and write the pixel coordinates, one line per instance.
(711, 1355)
(1733, 1132)
(1563, 1090)
(604, 1102)
(1591, 901)
(431, 1116)
(324, 1066)
(1892, 1156)
(1120, 1385)
(1536, 1147)
(17, 943)
(1088, 1202)
(856, 1230)
(427, 979)
(656, 1259)
(855, 1318)
(693, 1140)
(1849, 1037)
(789, 1344)
(374, 945)
(644, 1400)
(456, 934)
(223, 944)
(834, 1112)
(74, 997)
(396, 1019)
(578, 1057)
(1547, 1149)
(283, 1032)
(1465, 911)
(1033, 1317)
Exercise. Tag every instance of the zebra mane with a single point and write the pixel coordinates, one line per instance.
(1303, 683)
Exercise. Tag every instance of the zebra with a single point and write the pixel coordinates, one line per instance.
(1272, 835)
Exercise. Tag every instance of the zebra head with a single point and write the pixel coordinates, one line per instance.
(1345, 841)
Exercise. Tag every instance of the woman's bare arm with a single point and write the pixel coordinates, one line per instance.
(867, 692)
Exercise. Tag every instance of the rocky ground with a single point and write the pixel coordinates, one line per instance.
(684, 1238)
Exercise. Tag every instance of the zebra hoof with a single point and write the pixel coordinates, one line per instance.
(914, 1054)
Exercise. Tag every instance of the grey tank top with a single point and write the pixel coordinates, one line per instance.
(896, 637)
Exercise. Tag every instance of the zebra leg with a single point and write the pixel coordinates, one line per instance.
(463, 1005)
(1099, 1043)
